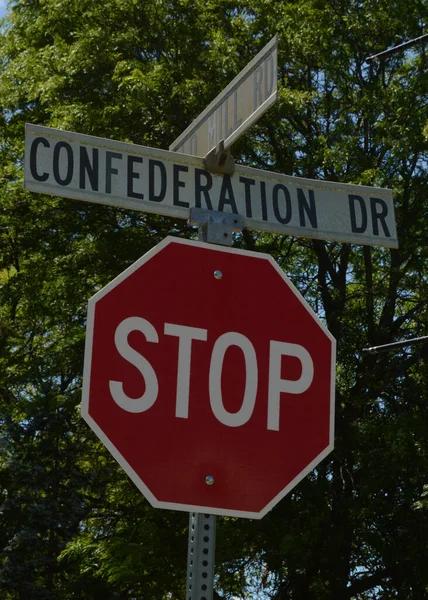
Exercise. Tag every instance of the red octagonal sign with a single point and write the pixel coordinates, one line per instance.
(209, 378)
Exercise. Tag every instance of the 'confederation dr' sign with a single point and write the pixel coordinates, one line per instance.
(93, 169)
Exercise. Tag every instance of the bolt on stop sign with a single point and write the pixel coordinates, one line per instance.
(209, 378)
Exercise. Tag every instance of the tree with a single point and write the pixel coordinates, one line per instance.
(72, 525)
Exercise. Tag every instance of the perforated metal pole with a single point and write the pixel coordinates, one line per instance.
(200, 561)
(215, 228)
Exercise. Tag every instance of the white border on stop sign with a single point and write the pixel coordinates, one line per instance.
(112, 448)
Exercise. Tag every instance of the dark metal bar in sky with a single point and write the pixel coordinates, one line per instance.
(395, 345)
(398, 48)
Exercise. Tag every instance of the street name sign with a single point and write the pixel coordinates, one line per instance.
(214, 394)
(105, 171)
(236, 108)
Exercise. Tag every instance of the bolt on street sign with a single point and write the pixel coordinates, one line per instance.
(236, 108)
(104, 171)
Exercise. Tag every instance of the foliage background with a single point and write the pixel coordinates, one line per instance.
(71, 524)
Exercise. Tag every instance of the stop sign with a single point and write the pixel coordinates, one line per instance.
(209, 378)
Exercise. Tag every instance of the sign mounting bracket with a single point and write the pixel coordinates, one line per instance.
(215, 227)
(219, 160)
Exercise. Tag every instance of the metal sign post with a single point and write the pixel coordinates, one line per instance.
(200, 562)
(216, 228)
